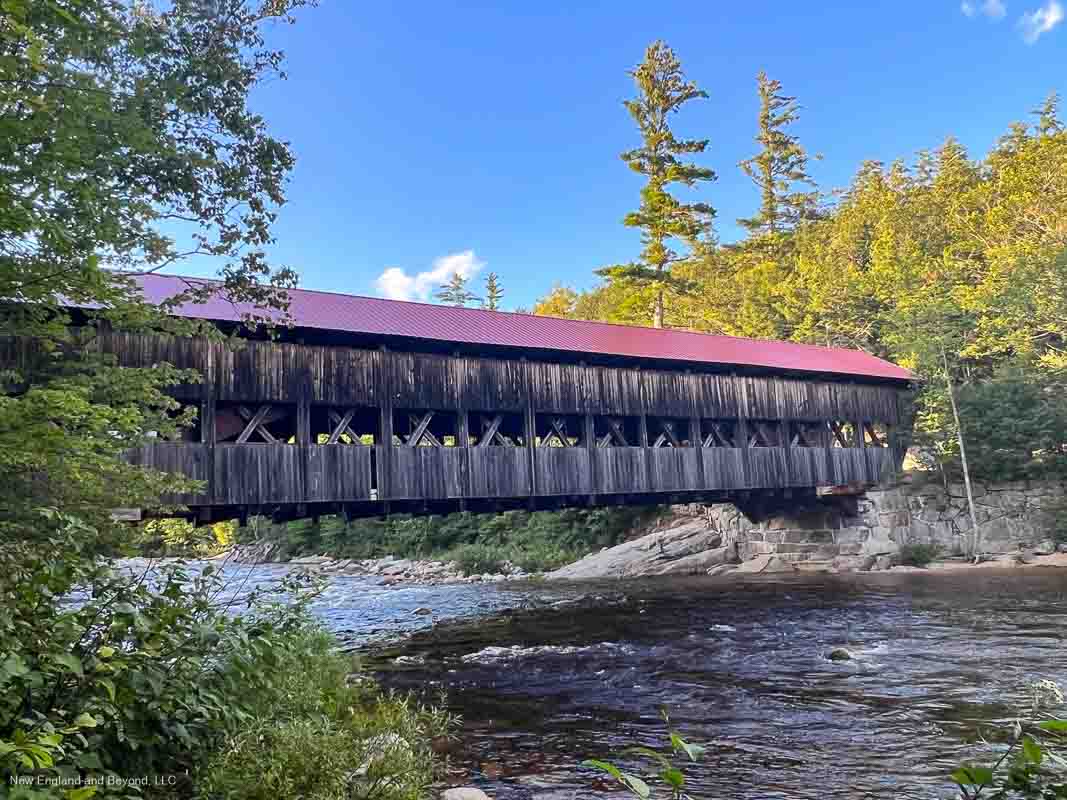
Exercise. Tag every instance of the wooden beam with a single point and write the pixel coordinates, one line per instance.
(420, 429)
(490, 431)
(616, 431)
(255, 424)
(463, 434)
(342, 426)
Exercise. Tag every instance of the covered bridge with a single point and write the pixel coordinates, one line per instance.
(368, 406)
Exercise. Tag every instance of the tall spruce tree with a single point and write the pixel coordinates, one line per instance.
(780, 165)
(1048, 116)
(662, 89)
(494, 292)
(455, 292)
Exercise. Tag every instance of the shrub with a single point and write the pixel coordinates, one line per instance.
(477, 559)
(150, 674)
(918, 555)
(318, 735)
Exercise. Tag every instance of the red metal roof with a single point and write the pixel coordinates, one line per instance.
(379, 317)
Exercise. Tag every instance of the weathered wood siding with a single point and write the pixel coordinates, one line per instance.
(621, 470)
(674, 469)
(427, 473)
(562, 470)
(499, 472)
(258, 474)
(265, 371)
(724, 467)
(339, 473)
(309, 382)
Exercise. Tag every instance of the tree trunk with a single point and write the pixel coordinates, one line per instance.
(976, 538)
(657, 312)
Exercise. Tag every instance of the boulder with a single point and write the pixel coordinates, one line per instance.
(464, 793)
(1046, 548)
(840, 654)
(690, 547)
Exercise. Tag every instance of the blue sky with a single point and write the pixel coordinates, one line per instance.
(437, 135)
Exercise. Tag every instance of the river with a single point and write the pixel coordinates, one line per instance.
(741, 667)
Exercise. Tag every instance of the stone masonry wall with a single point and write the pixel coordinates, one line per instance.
(867, 531)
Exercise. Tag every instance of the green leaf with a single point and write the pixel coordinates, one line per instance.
(1031, 751)
(636, 785)
(694, 751)
(85, 720)
(605, 766)
(105, 652)
(109, 687)
(1057, 725)
(71, 662)
(972, 776)
(81, 793)
(674, 778)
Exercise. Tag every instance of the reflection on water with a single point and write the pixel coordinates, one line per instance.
(742, 668)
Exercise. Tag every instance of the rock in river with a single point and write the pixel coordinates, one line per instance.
(691, 548)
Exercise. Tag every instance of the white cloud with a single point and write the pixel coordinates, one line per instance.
(396, 284)
(994, 9)
(1041, 21)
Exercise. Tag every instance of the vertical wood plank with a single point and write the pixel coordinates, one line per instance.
(529, 428)
(385, 425)
(589, 439)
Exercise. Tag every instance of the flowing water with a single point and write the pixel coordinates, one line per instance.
(940, 660)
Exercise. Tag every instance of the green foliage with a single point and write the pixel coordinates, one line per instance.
(477, 559)
(662, 90)
(948, 259)
(125, 132)
(157, 674)
(320, 735)
(494, 292)
(918, 555)
(176, 537)
(1030, 766)
(666, 770)
(455, 292)
(537, 541)
(779, 166)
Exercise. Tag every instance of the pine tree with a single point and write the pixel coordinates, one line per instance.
(1048, 116)
(494, 292)
(780, 165)
(455, 292)
(662, 90)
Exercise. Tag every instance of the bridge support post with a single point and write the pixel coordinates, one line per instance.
(589, 439)
(385, 426)
(529, 432)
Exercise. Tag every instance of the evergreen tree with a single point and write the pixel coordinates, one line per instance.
(662, 90)
(455, 292)
(780, 165)
(494, 292)
(1048, 116)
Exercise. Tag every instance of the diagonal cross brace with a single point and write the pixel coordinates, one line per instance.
(342, 425)
(257, 423)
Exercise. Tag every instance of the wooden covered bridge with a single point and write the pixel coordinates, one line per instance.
(371, 406)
